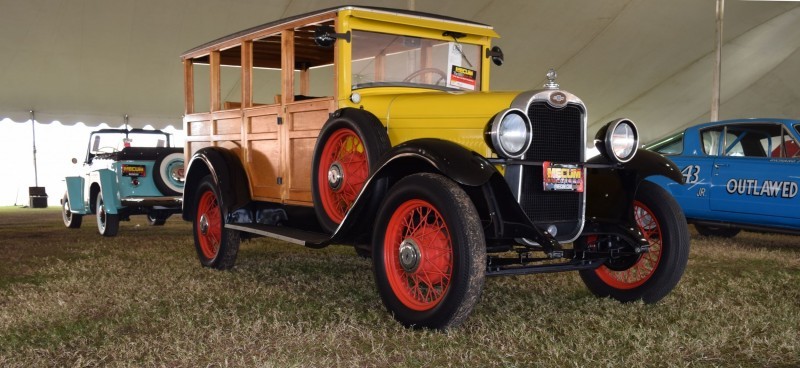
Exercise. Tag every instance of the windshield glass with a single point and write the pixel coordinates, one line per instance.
(381, 59)
(108, 142)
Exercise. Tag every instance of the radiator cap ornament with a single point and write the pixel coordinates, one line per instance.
(551, 79)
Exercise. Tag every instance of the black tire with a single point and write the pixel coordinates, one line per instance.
(216, 246)
(332, 200)
(447, 283)
(659, 217)
(166, 174)
(156, 220)
(107, 224)
(722, 232)
(71, 220)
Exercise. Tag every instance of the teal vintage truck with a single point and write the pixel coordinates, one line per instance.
(126, 172)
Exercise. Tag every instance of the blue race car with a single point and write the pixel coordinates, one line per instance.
(126, 172)
(738, 174)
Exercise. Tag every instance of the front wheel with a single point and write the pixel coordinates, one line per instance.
(216, 246)
(429, 252)
(107, 223)
(650, 276)
(71, 220)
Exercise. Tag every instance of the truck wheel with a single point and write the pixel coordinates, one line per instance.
(429, 252)
(346, 154)
(722, 232)
(650, 276)
(71, 220)
(216, 246)
(107, 223)
(156, 220)
(168, 174)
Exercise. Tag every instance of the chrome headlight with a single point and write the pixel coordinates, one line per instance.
(509, 134)
(618, 140)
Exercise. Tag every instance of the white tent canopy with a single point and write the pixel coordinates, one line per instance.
(94, 61)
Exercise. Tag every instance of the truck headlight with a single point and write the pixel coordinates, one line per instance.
(618, 140)
(509, 134)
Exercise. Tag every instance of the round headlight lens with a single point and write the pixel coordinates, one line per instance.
(623, 141)
(511, 133)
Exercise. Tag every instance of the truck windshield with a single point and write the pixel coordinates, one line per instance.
(381, 59)
(108, 142)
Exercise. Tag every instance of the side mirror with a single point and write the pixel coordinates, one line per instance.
(325, 36)
(496, 54)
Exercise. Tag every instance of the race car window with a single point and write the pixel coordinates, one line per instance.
(754, 140)
(785, 145)
(669, 146)
(711, 140)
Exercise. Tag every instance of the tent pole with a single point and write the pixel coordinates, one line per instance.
(715, 86)
(33, 131)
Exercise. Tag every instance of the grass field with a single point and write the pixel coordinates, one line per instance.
(72, 298)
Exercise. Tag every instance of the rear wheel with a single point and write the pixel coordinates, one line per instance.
(216, 246)
(722, 232)
(650, 276)
(429, 252)
(107, 223)
(71, 220)
(156, 220)
(345, 156)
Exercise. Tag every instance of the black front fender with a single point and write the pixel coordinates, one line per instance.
(461, 165)
(228, 173)
(611, 187)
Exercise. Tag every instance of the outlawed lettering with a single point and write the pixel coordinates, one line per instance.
(769, 188)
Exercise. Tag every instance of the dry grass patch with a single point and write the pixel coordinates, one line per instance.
(72, 298)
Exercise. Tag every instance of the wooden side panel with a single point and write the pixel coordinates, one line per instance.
(263, 162)
(303, 123)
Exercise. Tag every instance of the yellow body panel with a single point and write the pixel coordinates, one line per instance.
(460, 117)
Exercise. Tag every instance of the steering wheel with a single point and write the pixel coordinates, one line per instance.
(442, 75)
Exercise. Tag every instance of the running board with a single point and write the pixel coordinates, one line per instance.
(291, 235)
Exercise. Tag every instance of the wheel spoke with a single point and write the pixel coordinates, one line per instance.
(424, 286)
(643, 269)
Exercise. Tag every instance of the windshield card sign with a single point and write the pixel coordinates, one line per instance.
(562, 177)
(462, 78)
(134, 171)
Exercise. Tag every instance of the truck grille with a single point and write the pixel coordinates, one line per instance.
(557, 137)
(546, 207)
(556, 133)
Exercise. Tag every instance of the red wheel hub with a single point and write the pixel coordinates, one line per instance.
(418, 255)
(209, 224)
(645, 267)
(342, 171)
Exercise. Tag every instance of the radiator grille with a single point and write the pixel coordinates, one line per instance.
(546, 206)
(556, 133)
(557, 137)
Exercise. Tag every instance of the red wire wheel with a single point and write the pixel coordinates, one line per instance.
(346, 154)
(429, 252)
(418, 255)
(342, 171)
(216, 245)
(651, 275)
(643, 269)
(209, 225)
